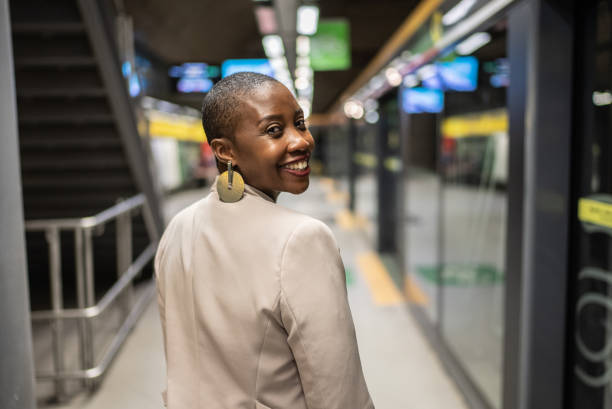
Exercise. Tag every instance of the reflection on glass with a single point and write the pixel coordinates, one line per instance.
(474, 152)
(421, 222)
(365, 183)
(472, 167)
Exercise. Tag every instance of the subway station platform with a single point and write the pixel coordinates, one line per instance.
(401, 369)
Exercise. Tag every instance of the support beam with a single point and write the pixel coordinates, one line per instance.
(541, 37)
(17, 369)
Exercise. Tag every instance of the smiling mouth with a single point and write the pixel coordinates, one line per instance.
(299, 167)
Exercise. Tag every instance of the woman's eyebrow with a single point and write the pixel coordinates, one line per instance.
(270, 117)
(299, 112)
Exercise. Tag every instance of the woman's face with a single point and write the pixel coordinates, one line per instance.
(272, 145)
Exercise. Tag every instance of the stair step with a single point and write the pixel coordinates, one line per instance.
(67, 119)
(61, 92)
(53, 61)
(64, 110)
(50, 163)
(44, 11)
(81, 181)
(84, 143)
(75, 80)
(33, 45)
(48, 27)
(60, 132)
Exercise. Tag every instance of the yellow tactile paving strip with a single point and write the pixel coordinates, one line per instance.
(382, 288)
(384, 291)
(349, 220)
(413, 292)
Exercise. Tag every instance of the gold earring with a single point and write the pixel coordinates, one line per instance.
(230, 185)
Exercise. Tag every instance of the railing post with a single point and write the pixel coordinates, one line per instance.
(57, 304)
(90, 300)
(124, 254)
(80, 287)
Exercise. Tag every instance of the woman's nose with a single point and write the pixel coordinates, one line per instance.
(301, 141)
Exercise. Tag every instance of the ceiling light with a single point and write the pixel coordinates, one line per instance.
(411, 81)
(303, 72)
(458, 12)
(371, 105)
(273, 46)
(372, 117)
(266, 20)
(301, 83)
(602, 98)
(473, 43)
(376, 82)
(302, 46)
(353, 109)
(279, 63)
(306, 106)
(307, 20)
(394, 78)
(302, 61)
(427, 71)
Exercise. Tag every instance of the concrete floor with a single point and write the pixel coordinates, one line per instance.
(401, 369)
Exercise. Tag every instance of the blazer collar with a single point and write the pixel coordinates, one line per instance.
(249, 190)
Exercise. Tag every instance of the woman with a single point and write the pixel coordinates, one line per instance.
(252, 296)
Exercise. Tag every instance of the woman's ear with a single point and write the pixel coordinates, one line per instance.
(223, 149)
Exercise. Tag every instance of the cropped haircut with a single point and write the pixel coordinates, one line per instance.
(222, 104)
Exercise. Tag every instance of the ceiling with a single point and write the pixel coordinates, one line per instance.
(212, 31)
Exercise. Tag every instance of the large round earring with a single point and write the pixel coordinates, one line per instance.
(230, 185)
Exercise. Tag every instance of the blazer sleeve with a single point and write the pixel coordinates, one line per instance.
(316, 315)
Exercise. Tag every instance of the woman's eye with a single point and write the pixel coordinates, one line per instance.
(273, 130)
(301, 124)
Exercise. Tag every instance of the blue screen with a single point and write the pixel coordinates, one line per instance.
(461, 74)
(192, 77)
(259, 65)
(420, 100)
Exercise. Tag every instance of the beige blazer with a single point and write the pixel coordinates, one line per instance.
(254, 310)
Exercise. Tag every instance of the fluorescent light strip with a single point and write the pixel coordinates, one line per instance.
(273, 46)
(473, 43)
(458, 12)
(307, 20)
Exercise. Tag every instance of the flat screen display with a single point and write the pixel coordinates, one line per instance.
(422, 100)
(461, 74)
(193, 77)
(259, 65)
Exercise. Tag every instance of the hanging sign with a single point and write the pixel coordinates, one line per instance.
(330, 47)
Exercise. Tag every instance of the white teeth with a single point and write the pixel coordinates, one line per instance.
(301, 165)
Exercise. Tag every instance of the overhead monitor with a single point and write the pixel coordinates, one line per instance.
(461, 74)
(194, 77)
(259, 65)
(422, 100)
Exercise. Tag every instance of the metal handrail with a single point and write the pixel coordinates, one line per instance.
(127, 268)
(109, 297)
(89, 221)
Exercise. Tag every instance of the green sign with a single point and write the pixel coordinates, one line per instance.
(330, 47)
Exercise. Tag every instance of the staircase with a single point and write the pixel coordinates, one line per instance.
(81, 152)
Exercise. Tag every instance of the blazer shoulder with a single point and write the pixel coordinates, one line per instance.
(309, 231)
